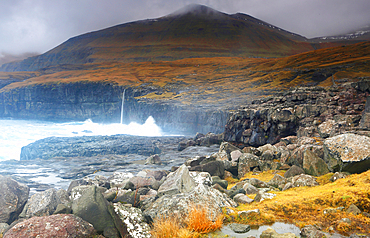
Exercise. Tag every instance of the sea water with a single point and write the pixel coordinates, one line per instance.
(14, 134)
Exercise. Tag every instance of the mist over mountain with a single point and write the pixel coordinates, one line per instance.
(194, 31)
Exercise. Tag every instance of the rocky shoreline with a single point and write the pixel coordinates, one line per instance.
(301, 136)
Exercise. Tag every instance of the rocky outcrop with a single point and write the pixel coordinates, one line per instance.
(57, 226)
(88, 146)
(13, 197)
(41, 204)
(102, 102)
(310, 111)
(348, 153)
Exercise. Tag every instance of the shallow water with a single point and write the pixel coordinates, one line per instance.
(279, 227)
(14, 134)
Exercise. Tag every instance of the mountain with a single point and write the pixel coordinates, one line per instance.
(194, 31)
(362, 34)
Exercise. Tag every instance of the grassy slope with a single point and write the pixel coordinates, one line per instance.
(217, 80)
(305, 205)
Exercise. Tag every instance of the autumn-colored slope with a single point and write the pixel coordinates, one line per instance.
(219, 80)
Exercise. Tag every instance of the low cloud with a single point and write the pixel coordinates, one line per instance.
(39, 25)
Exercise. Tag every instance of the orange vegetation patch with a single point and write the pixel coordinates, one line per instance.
(306, 205)
(195, 224)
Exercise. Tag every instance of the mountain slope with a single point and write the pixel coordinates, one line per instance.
(195, 31)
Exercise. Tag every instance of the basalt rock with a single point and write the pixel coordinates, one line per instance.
(89, 146)
(13, 197)
(57, 226)
(347, 153)
(297, 112)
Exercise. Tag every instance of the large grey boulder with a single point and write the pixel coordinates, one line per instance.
(177, 182)
(56, 226)
(313, 164)
(13, 197)
(134, 220)
(41, 204)
(347, 153)
(247, 162)
(202, 195)
(89, 204)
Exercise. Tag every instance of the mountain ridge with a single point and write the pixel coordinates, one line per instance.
(189, 33)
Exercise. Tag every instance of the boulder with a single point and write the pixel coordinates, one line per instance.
(215, 168)
(293, 171)
(263, 196)
(347, 153)
(271, 233)
(154, 159)
(119, 178)
(304, 180)
(177, 182)
(245, 214)
(277, 181)
(310, 231)
(247, 162)
(235, 155)
(201, 195)
(56, 226)
(228, 148)
(218, 180)
(337, 175)
(3, 228)
(242, 198)
(41, 204)
(325, 129)
(239, 228)
(313, 164)
(250, 189)
(13, 197)
(258, 183)
(134, 220)
(353, 209)
(89, 204)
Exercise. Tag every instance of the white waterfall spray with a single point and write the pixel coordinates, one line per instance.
(123, 103)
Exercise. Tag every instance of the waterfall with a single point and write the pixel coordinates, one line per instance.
(123, 103)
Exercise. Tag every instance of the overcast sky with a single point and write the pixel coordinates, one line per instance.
(39, 25)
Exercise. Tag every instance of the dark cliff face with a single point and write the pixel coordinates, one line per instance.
(102, 102)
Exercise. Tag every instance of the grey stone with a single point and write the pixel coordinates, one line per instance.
(239, 228)
(89, 204)
(353, 209)
(177, 182)
(277, 181)
(154, 159)
(13, 197)
(347, 153)
(242, 198)
(41, 204)
(271, 233)
(293, 171)
(313, 164)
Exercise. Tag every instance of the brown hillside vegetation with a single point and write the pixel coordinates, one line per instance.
(218, 79)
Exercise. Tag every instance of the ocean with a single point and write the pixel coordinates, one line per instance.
(14, 134)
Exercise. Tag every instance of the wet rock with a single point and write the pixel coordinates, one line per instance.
(271, 233)
(177, 182)
(13, 197)
(134, 220)
(242, 198)
(313, 164)
(293, 171)
(185, 144)
(57, 226)
(89, 204)
(347, 153)
(41, 204)
(311, 231)
(88, 146)
(239, 228)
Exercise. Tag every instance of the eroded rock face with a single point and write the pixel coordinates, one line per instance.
(42, 204)
(13, 197)
(56, 226)
(202, 195)
(347, 153)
